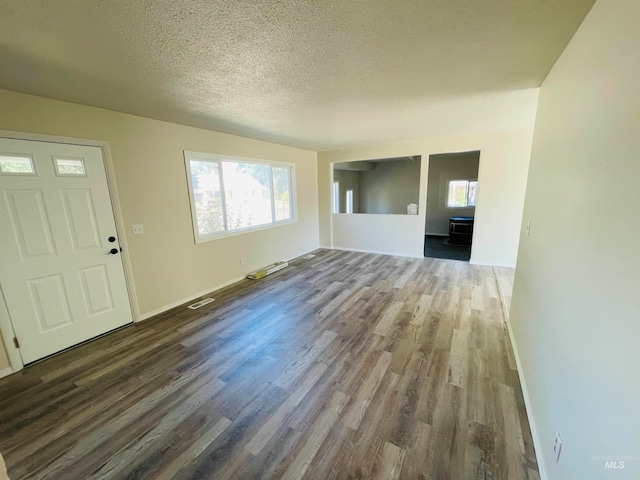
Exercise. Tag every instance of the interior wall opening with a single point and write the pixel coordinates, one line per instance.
(378, 186)
(452, 192)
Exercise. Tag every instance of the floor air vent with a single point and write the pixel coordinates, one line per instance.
(201, 303)
(307, 257)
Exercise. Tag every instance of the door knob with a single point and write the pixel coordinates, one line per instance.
(113, 251)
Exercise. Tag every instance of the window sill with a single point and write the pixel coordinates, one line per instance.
(235, 233)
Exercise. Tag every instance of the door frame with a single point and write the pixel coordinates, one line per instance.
(6, 327)
(480, 150)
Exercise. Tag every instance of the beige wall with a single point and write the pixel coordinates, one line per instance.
(575, 312)
(3, 469)
(504, 162)
(149, 165)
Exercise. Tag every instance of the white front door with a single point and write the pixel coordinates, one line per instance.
(61, 270)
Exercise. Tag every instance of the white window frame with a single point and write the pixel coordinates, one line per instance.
(336, 197)
(215, 158)
(468, 180)
(33, 173)
(348, 201)
(56, 166)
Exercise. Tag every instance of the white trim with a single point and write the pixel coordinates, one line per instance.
(6, 328)
(300, 255)
(437, 234)
(232, 158)
(121, 229)
(348, 202)
(56, 166)
(242, 231)
(462, 180)
(218, 159)
(335, 194)
(331, 214)
(492, 264)
(503, 299)
(177, 303)
(8, 334)
(542, 467)
(32, 173)
(208, 291)
(378, 252)
(6, 372)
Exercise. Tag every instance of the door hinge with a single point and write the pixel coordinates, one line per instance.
(16, 342)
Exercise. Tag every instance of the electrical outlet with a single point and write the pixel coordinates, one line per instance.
(241, 260)
(557, 446)
(137, 229)
(528, 228)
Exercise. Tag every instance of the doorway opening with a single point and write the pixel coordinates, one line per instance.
(452, 189)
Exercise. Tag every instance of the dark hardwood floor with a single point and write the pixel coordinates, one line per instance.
(347, 365)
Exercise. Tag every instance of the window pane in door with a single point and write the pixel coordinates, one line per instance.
(281, 193)
(247, 194)
(69, 166)
(207, 196)
(17, 165)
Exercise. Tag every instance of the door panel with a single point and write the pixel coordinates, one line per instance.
(61, 285)
(96, 290)
(81, 218)
(29, 222)
(50, 302)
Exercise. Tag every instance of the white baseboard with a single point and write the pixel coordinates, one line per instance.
(542, 468)
(177, 303)
(6, 372)
(492, 264)
(184, 300)
(378, 252)
(437, 234)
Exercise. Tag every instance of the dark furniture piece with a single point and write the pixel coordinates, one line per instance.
(460, 230)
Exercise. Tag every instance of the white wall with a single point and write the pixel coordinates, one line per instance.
(504, 162)
(443, 169)
(575, 313)
(377, 234)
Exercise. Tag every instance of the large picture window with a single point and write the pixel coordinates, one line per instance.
(230, 195)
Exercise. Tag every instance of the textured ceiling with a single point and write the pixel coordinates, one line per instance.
(316, 74)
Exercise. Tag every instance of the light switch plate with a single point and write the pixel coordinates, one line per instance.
(137, 229)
